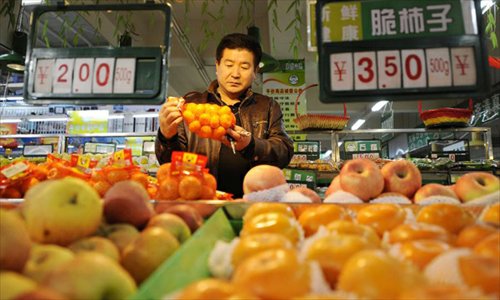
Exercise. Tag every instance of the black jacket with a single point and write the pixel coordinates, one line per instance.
(258, 114)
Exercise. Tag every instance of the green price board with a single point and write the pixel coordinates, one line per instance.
(403, 50)
(110, 69)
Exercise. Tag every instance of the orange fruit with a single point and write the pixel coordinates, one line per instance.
(97, 176)
(204, 119)
(449, 216)
(140, 178)
(163, 172)
(212, 288)
(102, 187)
(420, 252)
(315, 216)
(347, 227)
(214, 121)
(205, 131)
(224, 110)
(190, 106)
(274, 223)
(117, 175)
(199, 109)
(273, 274)
(190, 187)
(152, 191)
(333, 251)
(489, 246)
(188, 116)
(194, 126)
(40, 172)
(168, 188)
(207, 193)
(266, 207)
(256, 243)
(209, 180)
(471, 235)
(418, 231)
(381, 216)
(225, 121)
(491, 214)
(28, 183)
(212, 109)
(218, 133)
(481, 271)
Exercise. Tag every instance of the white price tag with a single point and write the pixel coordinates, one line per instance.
(82, 78)
(414, 73)
(63, 75)
(464, 66)
(43, 75)
(365, 71)
(438, 67)
(389, 69)
(14, 169)
(341, 72)
(104, 69)
(124, 75)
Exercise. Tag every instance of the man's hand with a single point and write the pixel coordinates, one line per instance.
(170, 117)
(241, 138)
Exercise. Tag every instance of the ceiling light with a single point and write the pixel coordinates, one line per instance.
(358, 124)
(379, 105)
(10, 120)
(48, 119)
(146, 115)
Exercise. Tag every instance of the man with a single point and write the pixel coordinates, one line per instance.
(237, 59)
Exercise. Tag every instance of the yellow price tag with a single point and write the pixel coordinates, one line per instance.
(119, 155)
(190, 158)
(83, 161)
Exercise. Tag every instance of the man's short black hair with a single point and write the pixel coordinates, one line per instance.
(240, 41)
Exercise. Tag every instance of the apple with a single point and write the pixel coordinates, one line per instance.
(308, 193)
(15, 243)
(188, 213)
(153, 246)
(172, 223)
(333, 187)
(41, 293)
(128, 202)
(91, 275)
(433, 189)
(262, 177)
(98, 244)
(121, 234)
(476, 184)
(44, 259)
(362, 178)
(62, 211)
(401, 176)
(13, 284)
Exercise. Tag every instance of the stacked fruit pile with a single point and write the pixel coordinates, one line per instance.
(65, 242)
(402, 181)
(373, 251)
(208, 120)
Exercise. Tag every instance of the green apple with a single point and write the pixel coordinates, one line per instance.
(62, 211)
(172, 223)
(13, 284)
(15, 243)
(121, 234)
(148, 251)
(91, 275)
(45, 258)
(98, 244)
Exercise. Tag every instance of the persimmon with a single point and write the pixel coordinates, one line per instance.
(252, 244)
(315, 216)
(266, 207)
(273, 223)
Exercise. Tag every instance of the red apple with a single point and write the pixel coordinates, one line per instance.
(128, 202)
(188, 213)
(476, 184)
(401, 176)
(263, 177)
(333, 187)
(433, 189)
(172, 223)
(362, 177)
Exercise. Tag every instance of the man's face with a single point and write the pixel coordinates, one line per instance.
(235, 71)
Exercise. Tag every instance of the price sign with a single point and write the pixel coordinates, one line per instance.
(423, 49)
(84, 74)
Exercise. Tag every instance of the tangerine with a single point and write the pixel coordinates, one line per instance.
(188, 116)
(209, 180)
(168, 189)
(199, 109)
(214, 121)
(194, 126)
(207, 193)
(102, 187)
(225, 120)
(190, 187)
(163, 172)
(218, 133)
(204, 119)
(115, 176)
(190, 106)
(140, 178)
(205, 131)
(212, 109)
(224, 110)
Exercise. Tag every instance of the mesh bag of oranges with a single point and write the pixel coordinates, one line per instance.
(208, 120)
(185, 178)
